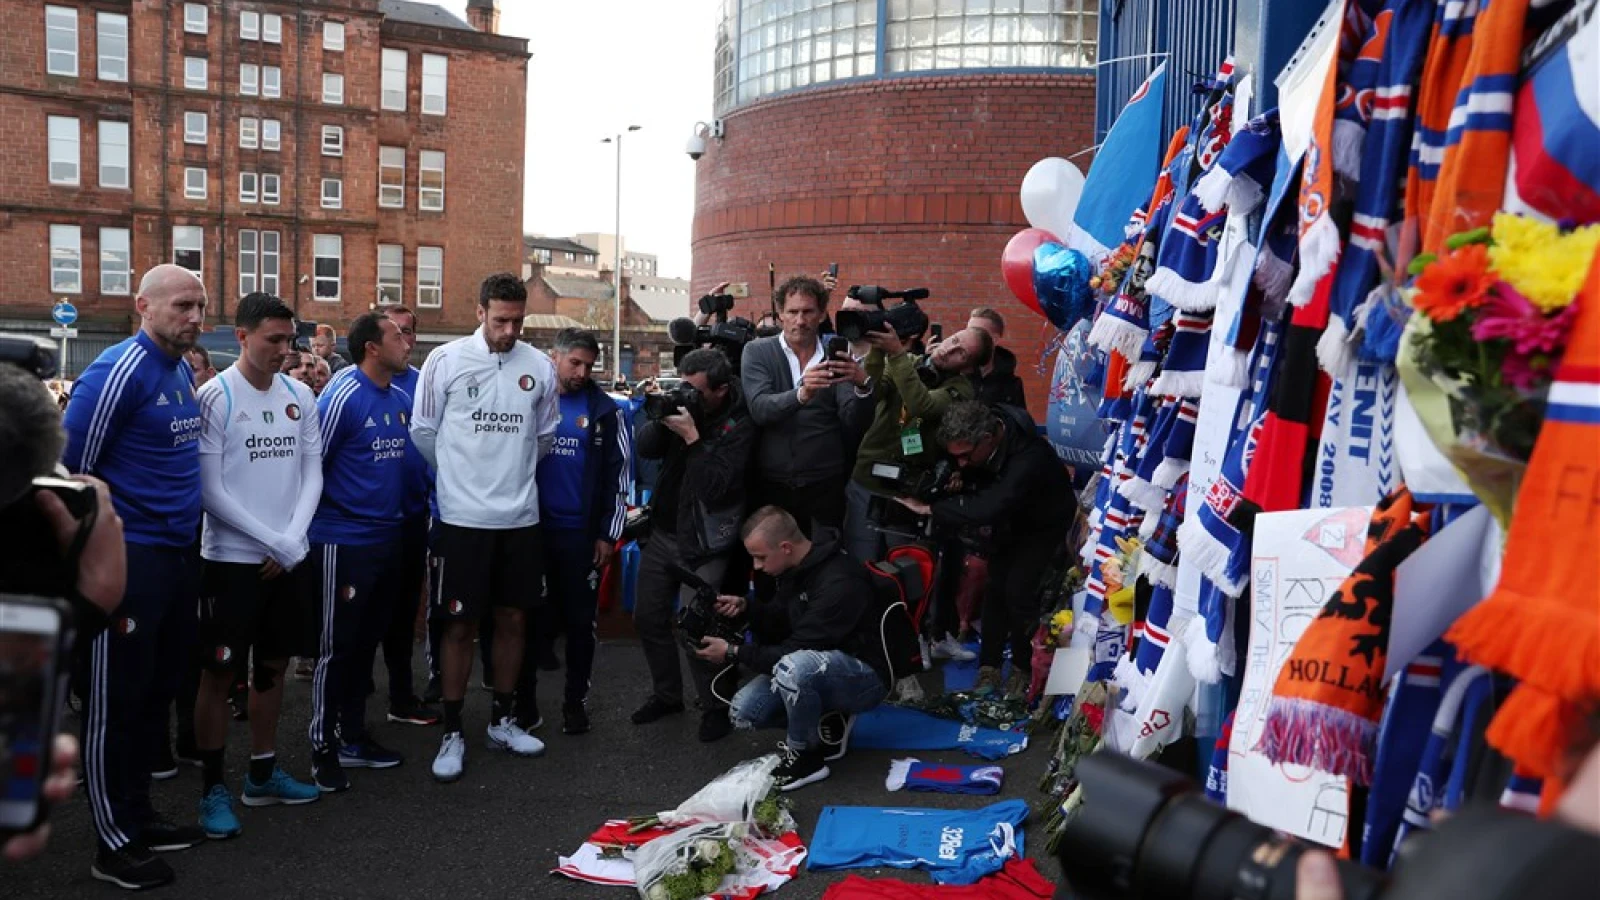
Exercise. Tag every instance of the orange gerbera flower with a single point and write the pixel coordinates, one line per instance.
(1454, 283)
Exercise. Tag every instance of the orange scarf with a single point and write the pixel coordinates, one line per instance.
(1542, 623)
(1329, 696)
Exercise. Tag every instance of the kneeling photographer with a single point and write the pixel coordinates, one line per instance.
(911, 393)
(702, 432)
(64, 543)
(817, 652)
(1013, 482)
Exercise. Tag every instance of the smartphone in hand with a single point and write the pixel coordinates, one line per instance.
(35, 651)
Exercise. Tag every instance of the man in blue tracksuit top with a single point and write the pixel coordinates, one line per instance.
(355, 545)
(404, 705)
(134, 422)
(583, 494)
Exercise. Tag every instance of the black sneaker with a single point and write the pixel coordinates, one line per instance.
(434, 692)
(164, 767)
(798, 768)
(165, 836)
(715, 725)
(133, 868)
(412, 712)
(654, 709)
(574, 718)
(328, 773)
(834, 728)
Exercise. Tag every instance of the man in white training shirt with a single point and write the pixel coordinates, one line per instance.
(261, 478)
(485, 414)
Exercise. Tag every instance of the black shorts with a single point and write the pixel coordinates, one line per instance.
(239, 610)
(474, 570)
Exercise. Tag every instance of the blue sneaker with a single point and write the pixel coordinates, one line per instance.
(280, 788)
(368, 754)
(216, 814)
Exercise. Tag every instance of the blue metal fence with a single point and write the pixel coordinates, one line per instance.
(1195, 36)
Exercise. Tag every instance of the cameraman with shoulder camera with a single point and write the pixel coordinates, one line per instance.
(135, 422)
(1014, 483)
(809, 407)
(817, 651)
(31, 440)
(912, 394)
(694, 522)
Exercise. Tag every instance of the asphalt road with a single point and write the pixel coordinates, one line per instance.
(498, 831)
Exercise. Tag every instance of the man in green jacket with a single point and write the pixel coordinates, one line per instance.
(910, 394)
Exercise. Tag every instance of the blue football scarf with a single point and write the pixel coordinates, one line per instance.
(1384, 155)
(954, 846)
(1179, 447)
(1183, 372)
(1464, 690)
(1402, 735)
(1159, 558)
(1217, 772)
(1139, 490)
(1242, 174)
(897, 728)
(916, 775)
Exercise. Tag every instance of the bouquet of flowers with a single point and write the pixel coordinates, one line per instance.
(1494, 312)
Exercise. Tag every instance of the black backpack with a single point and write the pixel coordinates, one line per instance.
(902, 586)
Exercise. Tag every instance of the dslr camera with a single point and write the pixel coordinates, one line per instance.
(1149, 832)
(906, 319)
(682, 396)
(698, 619)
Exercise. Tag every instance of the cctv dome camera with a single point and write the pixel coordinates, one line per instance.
(696, 147)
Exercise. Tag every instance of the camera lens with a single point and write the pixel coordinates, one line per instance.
(1146, 831)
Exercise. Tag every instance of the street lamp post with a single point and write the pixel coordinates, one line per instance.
(616, 272)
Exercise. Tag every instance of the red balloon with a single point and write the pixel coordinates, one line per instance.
(1016, 264)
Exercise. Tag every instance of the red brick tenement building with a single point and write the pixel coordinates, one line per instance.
(894, 148)
(338, 153)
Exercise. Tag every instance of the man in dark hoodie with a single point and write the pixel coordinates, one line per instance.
(816, 652)
(694, 523)
(1014, 483)
(997, 382)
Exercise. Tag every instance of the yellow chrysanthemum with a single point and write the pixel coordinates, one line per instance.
(1061, 621)
(1548, 267)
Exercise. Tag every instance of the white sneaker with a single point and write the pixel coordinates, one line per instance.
(506, 734)
(950, 648)
(452, 757)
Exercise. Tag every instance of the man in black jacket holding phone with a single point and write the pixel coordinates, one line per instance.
(1013, 482)
(694, 523)
(817, 651)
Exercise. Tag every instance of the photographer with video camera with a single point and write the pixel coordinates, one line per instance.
(910, 394)
(70, 522)
(808, 399)
(817, 651)
(703, 433)
(1012, 482)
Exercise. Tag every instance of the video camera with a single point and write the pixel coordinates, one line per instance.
(698, 619)
(906, 319)
(714, 304)
(1148, 832)
(725, 334)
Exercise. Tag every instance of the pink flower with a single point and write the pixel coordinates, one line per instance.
(1509, 316)
(1526, 373)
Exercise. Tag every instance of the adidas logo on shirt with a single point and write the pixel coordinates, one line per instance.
(161, 399)
(370, 423)
(243, 417)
